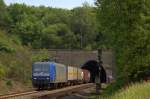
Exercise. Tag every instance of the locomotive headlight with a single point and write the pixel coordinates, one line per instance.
(35, 78)
(47, 78)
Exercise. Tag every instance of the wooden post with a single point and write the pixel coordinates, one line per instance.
(97, 78)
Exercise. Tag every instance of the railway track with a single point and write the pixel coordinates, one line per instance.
(51, 93)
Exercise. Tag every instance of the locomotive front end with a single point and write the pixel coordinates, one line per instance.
(40, 75)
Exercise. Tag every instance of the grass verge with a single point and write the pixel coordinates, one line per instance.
(134, 91)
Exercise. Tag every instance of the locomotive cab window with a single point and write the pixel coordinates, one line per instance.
(40, 67)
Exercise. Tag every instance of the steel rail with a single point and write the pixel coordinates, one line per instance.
(17, 94)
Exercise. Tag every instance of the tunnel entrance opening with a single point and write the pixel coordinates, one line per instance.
(93, 67)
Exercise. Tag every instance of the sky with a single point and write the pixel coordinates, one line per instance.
(69, 4)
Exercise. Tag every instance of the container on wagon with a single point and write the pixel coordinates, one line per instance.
(72, 73)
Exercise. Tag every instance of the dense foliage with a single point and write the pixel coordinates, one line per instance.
(125, 25)
(45, 27)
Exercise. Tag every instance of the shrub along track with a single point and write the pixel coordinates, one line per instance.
(52, 93)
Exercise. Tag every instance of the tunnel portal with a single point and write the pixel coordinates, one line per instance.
(93, 67)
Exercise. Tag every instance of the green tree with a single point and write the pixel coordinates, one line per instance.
(41, 26)
(58, 36)
(5, 19)
(125, 24)
(84, 25)
(2, 11)
(29, 32)
(50, 38)
(55, 16)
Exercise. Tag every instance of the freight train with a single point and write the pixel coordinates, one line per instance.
(52, 75)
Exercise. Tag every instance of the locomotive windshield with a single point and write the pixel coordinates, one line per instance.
(40, 69)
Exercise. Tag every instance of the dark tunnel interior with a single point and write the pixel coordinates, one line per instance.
(93, 67)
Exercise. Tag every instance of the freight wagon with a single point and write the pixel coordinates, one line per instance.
(86, 76)
(51, 74)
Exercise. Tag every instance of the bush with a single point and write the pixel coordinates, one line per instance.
(18, 64)
(2, 71)
(114, 87)
(6, 44)
(9, 83)
(40, 55)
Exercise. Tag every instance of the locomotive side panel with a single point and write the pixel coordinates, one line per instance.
(61, 71)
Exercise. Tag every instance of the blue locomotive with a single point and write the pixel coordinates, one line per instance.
(45, 74)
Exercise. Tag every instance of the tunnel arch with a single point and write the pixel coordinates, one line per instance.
(93, 67)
